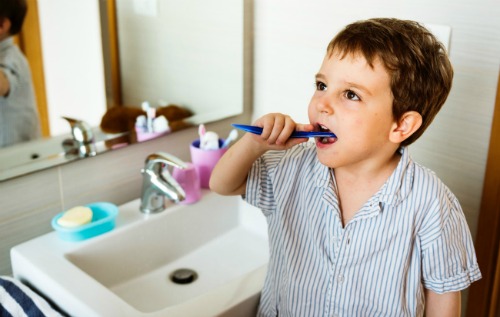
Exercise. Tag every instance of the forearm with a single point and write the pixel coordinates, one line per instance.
(230, 174)
(4, 84)
(442, 305)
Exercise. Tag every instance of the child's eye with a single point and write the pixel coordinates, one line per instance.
(351, 95)
(320, 86)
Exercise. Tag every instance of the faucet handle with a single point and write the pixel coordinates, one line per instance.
(83, 138)
(81, 130)
(164, 158)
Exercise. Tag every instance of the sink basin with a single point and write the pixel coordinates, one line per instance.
(127, 271)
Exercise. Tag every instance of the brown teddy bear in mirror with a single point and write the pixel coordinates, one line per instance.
(120, 119)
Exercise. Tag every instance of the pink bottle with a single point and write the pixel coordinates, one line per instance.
(189, 180)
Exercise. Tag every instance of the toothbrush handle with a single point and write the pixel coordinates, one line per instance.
(226, 143)
(295, 134)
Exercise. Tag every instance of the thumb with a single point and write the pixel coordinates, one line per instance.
(304, 127)
(295, 141)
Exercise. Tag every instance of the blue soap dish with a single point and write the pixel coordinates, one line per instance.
(103, 220)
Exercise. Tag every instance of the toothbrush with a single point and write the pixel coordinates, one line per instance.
(295, 134)
(230, 138)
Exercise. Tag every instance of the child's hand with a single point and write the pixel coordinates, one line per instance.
(276, 131)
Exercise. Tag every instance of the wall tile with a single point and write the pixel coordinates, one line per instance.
(28, 205)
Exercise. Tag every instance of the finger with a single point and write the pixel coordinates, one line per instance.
(286, 131)
(295, 141)
(266, 123)
(278, 126)
(304, 127)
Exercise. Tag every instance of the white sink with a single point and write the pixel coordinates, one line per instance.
(126, 272)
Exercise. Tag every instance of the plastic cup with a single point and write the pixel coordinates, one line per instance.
(205, 160)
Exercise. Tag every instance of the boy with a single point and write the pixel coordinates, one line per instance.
(18, 112)
(356, 228)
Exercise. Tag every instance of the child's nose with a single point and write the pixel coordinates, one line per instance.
(323, 105)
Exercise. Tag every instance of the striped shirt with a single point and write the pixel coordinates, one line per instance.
(411, 235)
(18, 112)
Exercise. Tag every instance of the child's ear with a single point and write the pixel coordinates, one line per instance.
(4, 26)
(407, 125)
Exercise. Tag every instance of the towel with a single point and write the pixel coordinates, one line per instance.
(18, 300)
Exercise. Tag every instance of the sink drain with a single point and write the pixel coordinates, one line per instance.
(183, 276)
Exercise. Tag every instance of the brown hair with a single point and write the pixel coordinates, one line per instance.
(420, 71)
(15, 11)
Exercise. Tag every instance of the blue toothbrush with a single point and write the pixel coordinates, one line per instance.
(295, 134)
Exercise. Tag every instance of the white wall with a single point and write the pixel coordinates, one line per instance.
(290, 41)
(73, 63)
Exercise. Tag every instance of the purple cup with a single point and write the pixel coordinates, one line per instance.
(205, 160)
(189, 180)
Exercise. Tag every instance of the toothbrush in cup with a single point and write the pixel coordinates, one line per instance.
(230, 138)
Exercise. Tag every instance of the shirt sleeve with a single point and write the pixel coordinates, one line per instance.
(12, 76)
(259, 189)
(448, 258)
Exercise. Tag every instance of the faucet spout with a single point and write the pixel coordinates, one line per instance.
(81, 130)
(158, 183)
(83, 137)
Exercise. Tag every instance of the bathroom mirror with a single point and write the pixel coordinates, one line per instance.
(188, 53)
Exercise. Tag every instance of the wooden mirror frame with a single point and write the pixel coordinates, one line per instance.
(483, 295)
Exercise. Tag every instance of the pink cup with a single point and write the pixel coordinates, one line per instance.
(144, 136)
(205, 160)
(189, 180)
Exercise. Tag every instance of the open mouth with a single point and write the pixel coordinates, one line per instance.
(325, 140)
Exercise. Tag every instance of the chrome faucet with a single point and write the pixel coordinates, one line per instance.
(158, 183)
(83, 137)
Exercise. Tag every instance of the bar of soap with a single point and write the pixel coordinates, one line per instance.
(75, 217)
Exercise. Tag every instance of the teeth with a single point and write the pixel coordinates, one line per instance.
(325, 140)
(323, 128)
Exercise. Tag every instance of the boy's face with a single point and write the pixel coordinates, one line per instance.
(354, 101)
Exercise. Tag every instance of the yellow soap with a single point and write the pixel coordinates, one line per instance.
(75, 217)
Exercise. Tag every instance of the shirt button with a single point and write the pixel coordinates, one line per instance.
(340, 278)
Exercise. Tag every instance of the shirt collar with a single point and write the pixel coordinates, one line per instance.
(322, 174)
(6, 43)
(400, 183)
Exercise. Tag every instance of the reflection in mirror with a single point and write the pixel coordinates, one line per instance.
(187, 54)
(18, 111)
(182, 53)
